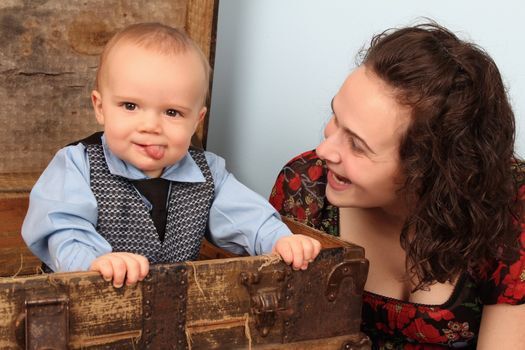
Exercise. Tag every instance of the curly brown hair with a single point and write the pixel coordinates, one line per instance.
(457, 152)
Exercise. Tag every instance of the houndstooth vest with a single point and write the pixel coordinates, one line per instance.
(124, 221)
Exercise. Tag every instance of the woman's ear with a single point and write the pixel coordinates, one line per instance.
(96, 100)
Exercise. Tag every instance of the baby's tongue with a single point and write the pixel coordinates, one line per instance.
(154, 151)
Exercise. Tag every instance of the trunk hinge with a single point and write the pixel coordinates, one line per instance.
(356, 269)
(47, 323)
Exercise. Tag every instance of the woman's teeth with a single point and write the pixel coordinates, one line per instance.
(341, 180)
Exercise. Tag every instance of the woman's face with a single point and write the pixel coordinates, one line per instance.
(361, 146)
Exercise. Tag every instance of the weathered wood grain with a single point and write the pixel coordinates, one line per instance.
(48, 63)
(15, 257)
(98, 313)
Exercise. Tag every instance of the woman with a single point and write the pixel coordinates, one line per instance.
(418, 167)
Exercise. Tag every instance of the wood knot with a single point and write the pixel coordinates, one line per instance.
(87, 34)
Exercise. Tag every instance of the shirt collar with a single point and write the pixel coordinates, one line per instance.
(185, 170)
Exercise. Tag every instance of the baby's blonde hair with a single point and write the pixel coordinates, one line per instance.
(159, 37)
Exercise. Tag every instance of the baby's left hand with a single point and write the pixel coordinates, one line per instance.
(298, 250)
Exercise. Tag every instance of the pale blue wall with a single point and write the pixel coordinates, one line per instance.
(279, 62)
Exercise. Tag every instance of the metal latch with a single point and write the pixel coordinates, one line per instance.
(267, 297)
(47, 323)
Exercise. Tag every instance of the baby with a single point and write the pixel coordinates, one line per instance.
(138, 193)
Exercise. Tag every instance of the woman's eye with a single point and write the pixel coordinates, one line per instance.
(356, 147)
(172, 113)
(129, 106)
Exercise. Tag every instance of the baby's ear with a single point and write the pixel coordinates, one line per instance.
(202, 113)
(96, 100)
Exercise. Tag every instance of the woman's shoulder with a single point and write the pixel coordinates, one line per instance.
(302, 174)
(503, 281)
(299, 193)
(304, 159)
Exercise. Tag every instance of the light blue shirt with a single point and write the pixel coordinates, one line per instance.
(60, 223)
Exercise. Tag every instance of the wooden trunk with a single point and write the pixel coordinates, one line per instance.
(47, 66)
(236, 303)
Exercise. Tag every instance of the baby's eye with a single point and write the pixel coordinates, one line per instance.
(172, 113)
(130, 106)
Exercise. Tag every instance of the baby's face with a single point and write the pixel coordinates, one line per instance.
(150, 105)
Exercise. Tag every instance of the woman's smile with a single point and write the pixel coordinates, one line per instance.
(337, 182)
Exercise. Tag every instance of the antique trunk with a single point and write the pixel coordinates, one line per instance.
(219, 302)
(235, 303)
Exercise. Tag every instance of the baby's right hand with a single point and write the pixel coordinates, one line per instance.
(121, 266)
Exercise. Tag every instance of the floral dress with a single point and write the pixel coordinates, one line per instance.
(299, 193)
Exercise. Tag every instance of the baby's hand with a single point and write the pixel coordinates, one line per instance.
(298, 250)
(120, 266)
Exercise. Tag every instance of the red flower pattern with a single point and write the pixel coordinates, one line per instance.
(514, 281)
(457, 331)
(295, 182)
(437, 314)
(423, 332)
(315, 172)
(496, 275)
(400, 314)
(277, 196)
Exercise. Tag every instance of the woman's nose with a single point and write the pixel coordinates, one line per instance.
(328, 150)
